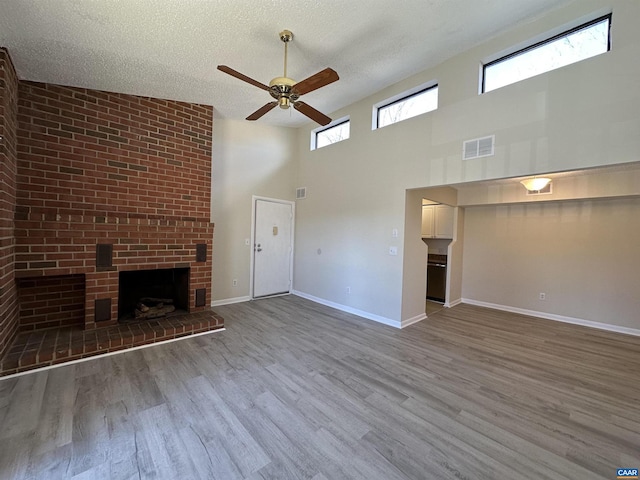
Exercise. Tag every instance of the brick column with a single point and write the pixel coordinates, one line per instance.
(8, 165)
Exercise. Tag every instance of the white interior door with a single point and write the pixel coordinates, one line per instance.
(272, 248)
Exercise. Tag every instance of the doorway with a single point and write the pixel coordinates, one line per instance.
(272, 256)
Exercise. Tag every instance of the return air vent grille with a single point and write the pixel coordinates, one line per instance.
(301, 193)
(478, 147)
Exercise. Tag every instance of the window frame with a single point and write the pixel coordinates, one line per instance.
(412, 92)
(535, 45)
(324, 128)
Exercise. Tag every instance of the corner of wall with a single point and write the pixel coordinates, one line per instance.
(8, 166)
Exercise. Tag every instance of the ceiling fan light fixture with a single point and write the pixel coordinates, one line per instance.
(284, 102)
(535, 183)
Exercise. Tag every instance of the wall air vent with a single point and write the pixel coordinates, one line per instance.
(301, 193)
(478, 147)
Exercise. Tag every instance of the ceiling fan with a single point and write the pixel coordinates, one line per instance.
(287, 91)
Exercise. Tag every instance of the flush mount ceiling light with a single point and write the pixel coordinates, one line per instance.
(535, 183)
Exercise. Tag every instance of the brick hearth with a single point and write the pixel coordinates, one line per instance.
(44, 347)
(104, 182)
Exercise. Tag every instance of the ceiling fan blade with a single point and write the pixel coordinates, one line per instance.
(312, 113)
(320, 79)
(262, 110)
(234, 73)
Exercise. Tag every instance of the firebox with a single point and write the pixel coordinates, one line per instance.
(148, 294)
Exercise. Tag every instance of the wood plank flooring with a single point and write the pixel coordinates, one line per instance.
(297, 390)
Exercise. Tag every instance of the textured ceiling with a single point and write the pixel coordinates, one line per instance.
(170, 48)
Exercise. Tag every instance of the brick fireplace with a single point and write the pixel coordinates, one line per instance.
(104, 183)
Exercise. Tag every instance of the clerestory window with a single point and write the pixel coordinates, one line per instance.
(585, 41)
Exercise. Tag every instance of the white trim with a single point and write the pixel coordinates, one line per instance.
(254, 199)
(558, 318)
(453, 304)
(354, 311)
(274, 295)
(411, 321)
(108, 354)
(229, 301)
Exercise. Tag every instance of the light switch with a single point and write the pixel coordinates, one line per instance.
(275, 230)
(393, 250)
(394, 233)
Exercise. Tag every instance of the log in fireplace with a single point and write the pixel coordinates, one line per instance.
(148, 294)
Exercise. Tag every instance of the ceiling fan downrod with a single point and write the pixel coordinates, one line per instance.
(286, 36)
(284, 101)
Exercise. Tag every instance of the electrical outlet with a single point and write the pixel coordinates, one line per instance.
(543, 296)
(348, 290)
(393, 250)
(235, 282)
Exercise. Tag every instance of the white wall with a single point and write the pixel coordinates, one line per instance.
(583, 115)
(249, 158)
(605, 182)
(582, 254)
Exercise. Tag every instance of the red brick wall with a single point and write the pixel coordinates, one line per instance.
(8, 127)
(51, 301)
(97, 167)
(86, 152)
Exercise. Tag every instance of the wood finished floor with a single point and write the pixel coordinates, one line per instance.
(293, 389)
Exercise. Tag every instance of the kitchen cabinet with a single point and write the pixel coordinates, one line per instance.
(437, 221)
(443, 221)
(427, 221)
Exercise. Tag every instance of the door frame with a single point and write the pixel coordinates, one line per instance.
(254, 202)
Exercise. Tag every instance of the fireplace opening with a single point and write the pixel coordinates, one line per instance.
(149, 294)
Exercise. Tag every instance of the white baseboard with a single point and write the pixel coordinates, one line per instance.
(411, 321)
(355, 311)
(457, 301)
(229, 301)
(557, 318)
